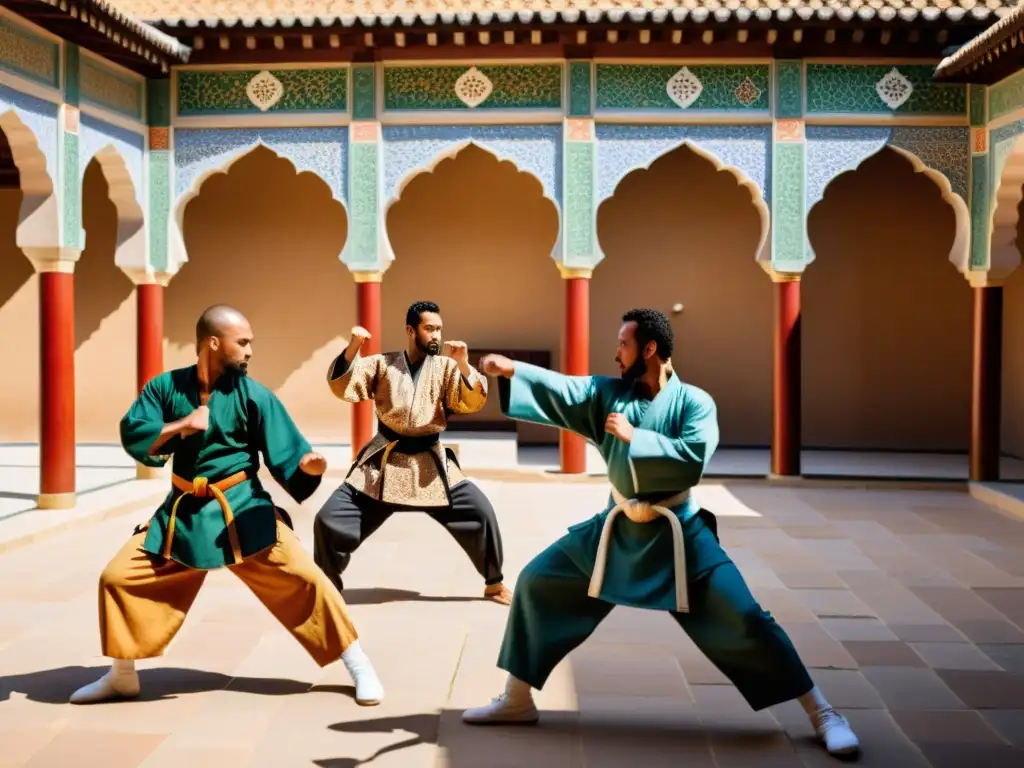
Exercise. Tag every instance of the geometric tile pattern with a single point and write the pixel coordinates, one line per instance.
(534, 86)
(725, 88)
(851, 89)
(907, 606)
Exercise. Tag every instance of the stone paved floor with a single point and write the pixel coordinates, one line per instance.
(908, 606)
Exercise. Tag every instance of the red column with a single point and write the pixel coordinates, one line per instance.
(149, 332)
(57, 389)
(368, 316)
(786, 376)
(986, 383)
(572, 449)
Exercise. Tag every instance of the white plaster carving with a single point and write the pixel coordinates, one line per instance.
(264, 91)
(684, 88)
(894, 89)
(473, 87)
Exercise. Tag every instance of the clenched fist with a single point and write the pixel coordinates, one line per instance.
(457, 350)
(358, 335)
(313, 464)
(618, 426)
(497, 365)
(197, 421)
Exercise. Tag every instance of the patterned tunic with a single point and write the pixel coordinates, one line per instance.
(412, 409)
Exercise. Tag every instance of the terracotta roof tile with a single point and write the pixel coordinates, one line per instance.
(386, 12)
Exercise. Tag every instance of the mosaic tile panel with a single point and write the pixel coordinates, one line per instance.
(1006, 96)
(159, 214)
(978, 95)
(158, 103)
(833, 150)
(625, 148)
(579, 88)
(579, 216)
(362, 248)
(527, 86)
(789, 220)
(29, 55)
(225, 93)
(38, 116)
(72, 234)
(981, 215)
(364, 92)
(535, 149)
(96, 135)
(850, 89)
(322, 151)
(789, 89)
(111, 90)
(645, 87)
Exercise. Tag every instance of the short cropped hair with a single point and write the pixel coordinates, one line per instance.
(652, 325)
(415, 312)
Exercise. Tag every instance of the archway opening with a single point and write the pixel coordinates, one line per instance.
(475, 235)
(1012, 416)
(19, 312)
(683, 233)
(104, 318)
(887, 317)
(266, 239)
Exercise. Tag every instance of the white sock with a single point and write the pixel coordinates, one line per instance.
(123, 667)
(813, 702)
(517, 691)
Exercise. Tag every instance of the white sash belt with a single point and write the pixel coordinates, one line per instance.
(645, 512)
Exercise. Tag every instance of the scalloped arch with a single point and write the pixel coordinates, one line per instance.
(960, 250)
(38, 215)
(763, 252)
(1004, 255)
(451, 151)
(130, 249)
(177, 254)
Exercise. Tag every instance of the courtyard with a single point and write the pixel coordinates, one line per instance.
(908, 605)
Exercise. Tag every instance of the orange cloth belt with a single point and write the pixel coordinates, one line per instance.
(202, 488)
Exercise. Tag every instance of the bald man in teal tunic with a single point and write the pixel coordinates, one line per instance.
(652, 547)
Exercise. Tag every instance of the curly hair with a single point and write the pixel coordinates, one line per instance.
(414, 314)
(652, 325)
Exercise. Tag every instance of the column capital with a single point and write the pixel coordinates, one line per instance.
(781, 277)
(573, 273)
(979, 279)
(367, 277)
(53, 258)
(142, 276)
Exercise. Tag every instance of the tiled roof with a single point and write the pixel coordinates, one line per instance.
(994, 39)
(125, 18)
(386, 12)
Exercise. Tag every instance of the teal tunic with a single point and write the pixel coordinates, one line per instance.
(246, 420)
(674, 437)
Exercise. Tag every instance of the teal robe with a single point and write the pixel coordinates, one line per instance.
(674, 437)
(246, 420)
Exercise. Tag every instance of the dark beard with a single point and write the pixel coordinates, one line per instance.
(635, 371)
(239, 369)
(430, 348)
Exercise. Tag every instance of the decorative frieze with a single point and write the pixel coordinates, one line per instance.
(701, 88)
(256, 91)
(881, 89)
(503, 86)
(103, 87)
(1006, 96)
(28, 55)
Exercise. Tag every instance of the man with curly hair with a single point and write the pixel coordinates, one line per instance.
(652, 547)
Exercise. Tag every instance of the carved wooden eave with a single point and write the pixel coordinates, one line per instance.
(991, 56)
(795, 38)
(100, 27)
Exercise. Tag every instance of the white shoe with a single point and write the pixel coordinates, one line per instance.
(369, 690)
(834, 730)
(117, 684)
(504, 709)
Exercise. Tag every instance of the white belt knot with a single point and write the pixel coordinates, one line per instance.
(645, 512)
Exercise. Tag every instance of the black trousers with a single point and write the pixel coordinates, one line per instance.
(349, 517)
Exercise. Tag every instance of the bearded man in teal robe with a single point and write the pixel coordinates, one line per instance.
(652, 547)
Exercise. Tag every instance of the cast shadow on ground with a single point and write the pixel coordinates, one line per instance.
(380, 595)
(55, 686)
(465, 745)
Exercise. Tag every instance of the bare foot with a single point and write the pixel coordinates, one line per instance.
(498, 593)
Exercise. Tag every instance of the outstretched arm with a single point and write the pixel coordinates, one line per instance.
(534, 394)
(676, 462)
(288, 456)
(353, 378)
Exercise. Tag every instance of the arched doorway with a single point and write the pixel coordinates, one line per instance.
(886, 316)
(104, 319)
(266, 240)
(682, 232)
(475, 235)
(19, 313)
(1013, 356)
